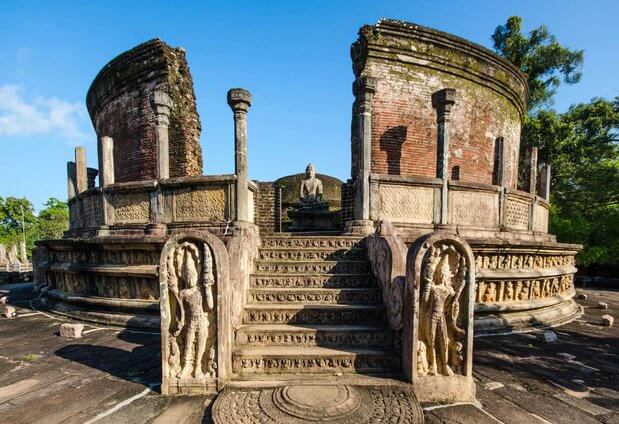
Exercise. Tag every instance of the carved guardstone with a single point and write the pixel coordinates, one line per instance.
(195, 314)
(437, 355)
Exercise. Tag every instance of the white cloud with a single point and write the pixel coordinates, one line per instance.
(42, 115)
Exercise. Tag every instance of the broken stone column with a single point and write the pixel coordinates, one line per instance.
(71, 180)
(442, 101)
(162, 106)
(106, 178)
(81, 179)
(544, 182)
(437, 336)
(240, 101)
(532, 156)
(3, 261)
(14, 264)
(23, 254)
(364, 88)
(71, 330)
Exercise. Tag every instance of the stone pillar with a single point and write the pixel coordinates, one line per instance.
(106, 178)
(532, 156)
(71, 180)
(240, 101)
(81, 180)
(544, 182)
(162, 106)
(106, 174)
(364, 89)
(23, 254)
(442, 101)
(3, 261)
(499, 163)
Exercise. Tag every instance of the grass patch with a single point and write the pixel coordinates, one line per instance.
(31, 357)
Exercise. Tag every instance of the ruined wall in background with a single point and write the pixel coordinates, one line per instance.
(119, 104)
(410, 63)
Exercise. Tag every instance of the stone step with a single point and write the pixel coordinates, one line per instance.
(370, 296)
(324, 267)
(248, 360)
(311, 242)
(313, 314)
(314, 335)
(313, 281)
(304, 255)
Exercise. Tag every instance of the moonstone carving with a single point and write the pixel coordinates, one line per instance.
(438, 318)
(194, 314)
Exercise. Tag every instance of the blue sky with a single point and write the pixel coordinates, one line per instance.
(292, 55)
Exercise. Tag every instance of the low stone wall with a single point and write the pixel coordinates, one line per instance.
(413, 204)
(128, 208)
(266, 210)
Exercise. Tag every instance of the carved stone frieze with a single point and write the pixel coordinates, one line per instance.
(407, 204)
(109, 257)
(496, 261)
(370, 296)
(479, 209)
(103, 285)
(311, 316)
(312, 242)
(93, 210)
(312, 255)
(517, 214)
(540, 218)
(313, 281)
(194, 305)
(201, 204)
(130, 208)
(360, 267)
(493, 291)
(323, 364)
(317, 338)
(438, 318)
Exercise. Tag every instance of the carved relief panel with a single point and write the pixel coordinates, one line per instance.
(195, 329)
(438, 318)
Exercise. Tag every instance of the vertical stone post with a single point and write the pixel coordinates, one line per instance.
(239, 101)
(442, 101)
(80, 170)
(71, 180)
(23, 255)
(106, 174)
(532, 156)
(106, 178)
(162, 106)
(364, 90)
(499, 162)
(3, 261)
(544, 182)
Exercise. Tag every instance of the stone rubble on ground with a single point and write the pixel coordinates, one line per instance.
(607, 320)
(71, 331)
(7, 311)
(602, 305)
(549, 336)
(582, 296)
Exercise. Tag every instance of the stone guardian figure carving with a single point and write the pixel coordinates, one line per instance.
(195, 314)
(437, 334)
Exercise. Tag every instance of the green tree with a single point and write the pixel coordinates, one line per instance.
(53, 219)
(580, 144)
(540, 56)
(12, 209)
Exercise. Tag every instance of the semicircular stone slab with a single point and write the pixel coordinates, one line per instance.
(333, 404)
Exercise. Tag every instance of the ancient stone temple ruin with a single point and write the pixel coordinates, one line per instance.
(430, 242)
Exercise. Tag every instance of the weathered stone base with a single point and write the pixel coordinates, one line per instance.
(189, 386)
(526, 320)
(336, 404)
(442, 390)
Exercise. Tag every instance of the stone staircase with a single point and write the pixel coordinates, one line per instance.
(313, 307)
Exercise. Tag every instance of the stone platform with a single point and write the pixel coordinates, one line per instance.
(111, 375)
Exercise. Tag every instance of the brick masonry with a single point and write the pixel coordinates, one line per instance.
(119, 104)
(410, 63)
(266, 211)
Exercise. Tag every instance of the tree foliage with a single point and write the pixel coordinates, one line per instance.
(581, 145)
(51, 221)
(540, 56)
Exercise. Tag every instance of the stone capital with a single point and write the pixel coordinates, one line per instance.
(443, 100)
(364, 86)
(162, 106)
(239, 99)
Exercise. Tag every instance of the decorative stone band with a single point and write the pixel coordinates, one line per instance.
(196, 332)
(437, 336)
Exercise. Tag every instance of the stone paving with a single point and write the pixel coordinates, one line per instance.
(111, 375)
